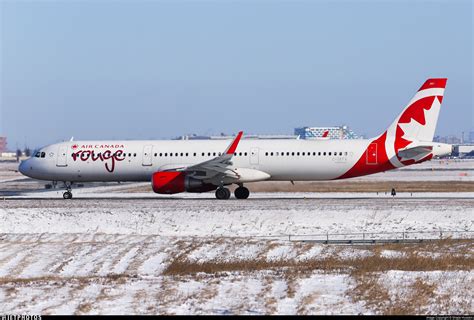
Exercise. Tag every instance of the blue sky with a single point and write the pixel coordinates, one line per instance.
(159, 69)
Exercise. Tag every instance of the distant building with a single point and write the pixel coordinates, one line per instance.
(3, 144)
(227, 137)
(464, 149)
(340, 132)
(447, 139)
(471, 137)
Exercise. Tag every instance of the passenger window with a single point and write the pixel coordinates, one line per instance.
(319, 153)
(214, 154)
(292, 153)
(208, 154)
(287, 153)
(194, 153)
(340, 153)
(345, 153)
(297, 153)
(271, 153)
(166, 154)
(176, 154)
(329, 153)
(302, 154)
(240, 154)
(129, 154)
(245, 154)
(134, 154)
(314, 153)
(324, 153)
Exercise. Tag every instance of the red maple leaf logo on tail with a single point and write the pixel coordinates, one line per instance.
(410, 123)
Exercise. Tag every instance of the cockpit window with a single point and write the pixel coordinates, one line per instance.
(37, 154)
(43, 154)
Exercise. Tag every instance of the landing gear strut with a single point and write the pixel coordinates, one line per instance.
(241, 192)
(222, 193)
(68, 193)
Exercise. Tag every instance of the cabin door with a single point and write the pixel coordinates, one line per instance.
(372, 154)
(61, 160)
(147, 155)
(254, 156)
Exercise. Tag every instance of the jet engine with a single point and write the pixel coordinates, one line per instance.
(169, 182)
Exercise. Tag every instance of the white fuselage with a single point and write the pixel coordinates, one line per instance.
(280, 159)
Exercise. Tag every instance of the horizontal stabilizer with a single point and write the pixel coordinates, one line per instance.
(416, 153)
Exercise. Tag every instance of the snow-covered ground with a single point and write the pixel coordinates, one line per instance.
(114, 274)
(265, 216)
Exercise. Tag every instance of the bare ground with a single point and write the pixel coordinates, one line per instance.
(346, 186)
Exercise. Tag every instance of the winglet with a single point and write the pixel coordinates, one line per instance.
(233, 146)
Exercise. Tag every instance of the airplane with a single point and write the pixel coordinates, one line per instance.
(175, 166)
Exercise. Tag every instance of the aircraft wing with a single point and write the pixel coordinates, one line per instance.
(215, 169)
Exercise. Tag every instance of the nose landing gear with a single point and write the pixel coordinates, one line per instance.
(68, 193)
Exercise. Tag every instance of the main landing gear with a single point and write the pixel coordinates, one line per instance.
(68, 193)
(222, 193)
(241, 192)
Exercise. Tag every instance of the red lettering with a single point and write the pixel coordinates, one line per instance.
(107, 155)
(85, 155)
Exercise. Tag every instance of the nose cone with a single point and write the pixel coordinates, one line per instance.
(23, 167)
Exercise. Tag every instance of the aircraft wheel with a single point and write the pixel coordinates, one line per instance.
(67, 195)
(241, 193)
(222, 193)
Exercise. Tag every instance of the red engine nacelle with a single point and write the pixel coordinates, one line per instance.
(169, 182)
